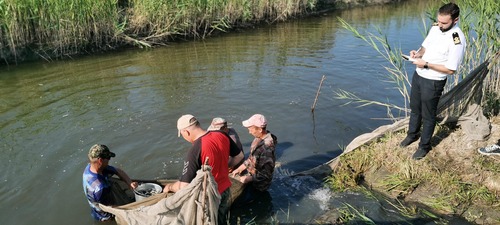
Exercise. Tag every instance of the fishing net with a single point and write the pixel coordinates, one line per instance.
(462, 104)
(196, 203)
(469, 91)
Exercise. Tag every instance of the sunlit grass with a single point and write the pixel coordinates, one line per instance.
(61, 28)
(351, 173)
(404, 209)
(348, 214)
(446, 191)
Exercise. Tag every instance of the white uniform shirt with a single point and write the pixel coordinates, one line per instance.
(440, 48)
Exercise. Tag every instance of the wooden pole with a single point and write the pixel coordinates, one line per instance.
(204, 193)
(317, 93)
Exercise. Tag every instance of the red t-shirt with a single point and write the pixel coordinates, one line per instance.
(217, 146)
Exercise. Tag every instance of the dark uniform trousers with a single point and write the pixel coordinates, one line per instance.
(424, 98)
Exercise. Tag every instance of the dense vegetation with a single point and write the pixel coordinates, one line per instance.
(59, 28)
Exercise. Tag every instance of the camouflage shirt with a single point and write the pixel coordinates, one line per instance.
(260, 162)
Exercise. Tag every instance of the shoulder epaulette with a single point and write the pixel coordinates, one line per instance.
(456, 38)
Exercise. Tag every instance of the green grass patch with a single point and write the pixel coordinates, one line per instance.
(350, 214)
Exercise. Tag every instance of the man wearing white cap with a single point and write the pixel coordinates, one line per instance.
(221, 152)
(259, 167)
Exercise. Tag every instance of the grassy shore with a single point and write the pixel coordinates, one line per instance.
(454, 179)
(59, 28)
(54, 29)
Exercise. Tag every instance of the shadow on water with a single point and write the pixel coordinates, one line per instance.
(281, 147)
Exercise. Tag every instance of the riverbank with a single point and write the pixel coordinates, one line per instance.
(58, 29)
(452, 180)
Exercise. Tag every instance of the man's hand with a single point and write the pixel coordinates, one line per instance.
(235, 172)
(417, 53)
(414, 54)
(166, 189)
(133, 185)
(419, 63)
(246, 179)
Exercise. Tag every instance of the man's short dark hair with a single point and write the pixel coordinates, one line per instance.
(451, 9)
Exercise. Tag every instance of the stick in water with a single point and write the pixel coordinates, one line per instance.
(317, 93)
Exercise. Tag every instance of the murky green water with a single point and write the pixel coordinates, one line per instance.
(51, 113)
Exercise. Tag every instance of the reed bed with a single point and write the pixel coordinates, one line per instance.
(59, 28)
(54, 27)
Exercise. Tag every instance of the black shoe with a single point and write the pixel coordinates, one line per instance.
(420, 154)
(407, 141)
(490, 150)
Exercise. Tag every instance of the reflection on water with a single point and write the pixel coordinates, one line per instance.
(51, 113)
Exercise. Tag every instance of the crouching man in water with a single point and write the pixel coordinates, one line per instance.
(258, 169)
(96, 183)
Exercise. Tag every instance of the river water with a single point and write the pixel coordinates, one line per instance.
(52, 113)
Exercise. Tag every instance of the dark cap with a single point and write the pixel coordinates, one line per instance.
(100, 151)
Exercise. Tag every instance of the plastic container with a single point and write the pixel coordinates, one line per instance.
(145, 190)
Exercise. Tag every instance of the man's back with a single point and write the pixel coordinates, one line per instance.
(97, 190)
(217, 146)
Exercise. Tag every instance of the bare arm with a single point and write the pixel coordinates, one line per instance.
(243, 179)
(174, 187)
(420, 63)
(126, 178)
(234, 161)
(240, 169)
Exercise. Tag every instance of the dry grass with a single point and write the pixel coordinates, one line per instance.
(452, 179)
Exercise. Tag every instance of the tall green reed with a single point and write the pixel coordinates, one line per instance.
(397, 74)
(59, 28)
(155, 19)
(55, 27)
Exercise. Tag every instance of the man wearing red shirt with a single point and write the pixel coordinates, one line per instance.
(222, 154)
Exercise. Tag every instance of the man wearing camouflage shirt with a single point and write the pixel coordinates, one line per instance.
(258, 169)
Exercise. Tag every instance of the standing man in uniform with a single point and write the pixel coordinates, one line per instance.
(222, 154)
(440, 55)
